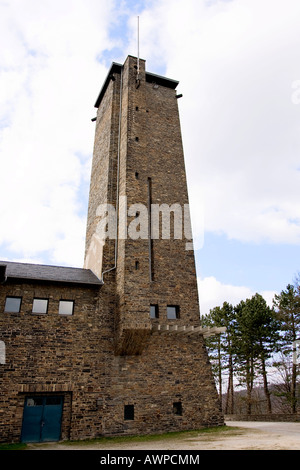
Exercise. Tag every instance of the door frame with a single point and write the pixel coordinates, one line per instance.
(44, 397)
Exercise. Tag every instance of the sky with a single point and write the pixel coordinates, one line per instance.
(238, 67)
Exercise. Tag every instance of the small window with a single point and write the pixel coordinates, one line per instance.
(40, 306)
(154, 311)
(34, 401)
(137, 265)
(2, 352)
(172, 312)
(136, 139)
(137, 175)
(66, 307)
(53, 401)
(177, 408)
(136, 108)
(13, 304)
(129, 412)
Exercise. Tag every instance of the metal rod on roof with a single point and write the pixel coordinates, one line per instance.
(138, 46)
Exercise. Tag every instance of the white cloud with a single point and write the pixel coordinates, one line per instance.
(50, 78)
(236, 62)
(213, 293)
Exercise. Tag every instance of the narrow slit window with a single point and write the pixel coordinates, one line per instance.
(137, 175)
(137, 265)
(154, 313)
(136, 139)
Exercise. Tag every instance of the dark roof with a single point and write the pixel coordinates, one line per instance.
(150, 77)
(40, 272)
(115, 68)
(163, 81)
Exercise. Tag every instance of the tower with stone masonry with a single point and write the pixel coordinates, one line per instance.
(138, 160)
(160, 363)
(117, 347)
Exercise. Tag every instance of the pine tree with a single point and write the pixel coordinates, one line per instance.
(244, 348)
(255, 340)
(287, 306)
(220, 349)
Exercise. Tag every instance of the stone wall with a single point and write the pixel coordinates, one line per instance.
(150, 148)
(74, 356)
(106, 356)
(48, 353)
(169, 370)
(287, 417)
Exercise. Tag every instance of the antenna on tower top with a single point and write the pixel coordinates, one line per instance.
(138, 47)
(138, 81)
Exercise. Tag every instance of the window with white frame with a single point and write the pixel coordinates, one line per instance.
(40, 306)
(66, 307)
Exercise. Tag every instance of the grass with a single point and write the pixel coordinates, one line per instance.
(16, 446)
(151, 437)
(209, 432)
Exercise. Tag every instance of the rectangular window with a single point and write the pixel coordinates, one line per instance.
(177, 408)
(34, 401)
(66, 307)
(53, 401)
(129, 412)
(172, 312)
(2, 352)
(13, 304)
(40, 306)
(154, 311)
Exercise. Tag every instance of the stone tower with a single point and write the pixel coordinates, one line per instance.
(139, 201)
(116, 348)
(138, 165)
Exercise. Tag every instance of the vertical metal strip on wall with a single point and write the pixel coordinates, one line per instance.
(150, 230)
(118, 176)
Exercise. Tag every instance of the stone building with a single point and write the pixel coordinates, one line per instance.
(115, 347)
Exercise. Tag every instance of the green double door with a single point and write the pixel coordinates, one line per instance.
(42, 418)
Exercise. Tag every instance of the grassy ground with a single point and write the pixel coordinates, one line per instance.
(17, 446)
(220, 430)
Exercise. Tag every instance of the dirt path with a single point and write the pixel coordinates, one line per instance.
(248, 436)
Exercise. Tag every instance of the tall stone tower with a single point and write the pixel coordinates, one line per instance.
(139, 201)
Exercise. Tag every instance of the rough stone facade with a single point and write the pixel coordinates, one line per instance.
(119, 370)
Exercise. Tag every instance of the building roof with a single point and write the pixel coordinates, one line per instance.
(150, 77)
(44, 273)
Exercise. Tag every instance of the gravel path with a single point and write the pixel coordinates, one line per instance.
(248, 436)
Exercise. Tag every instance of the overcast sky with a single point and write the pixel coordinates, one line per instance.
(238, 64)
